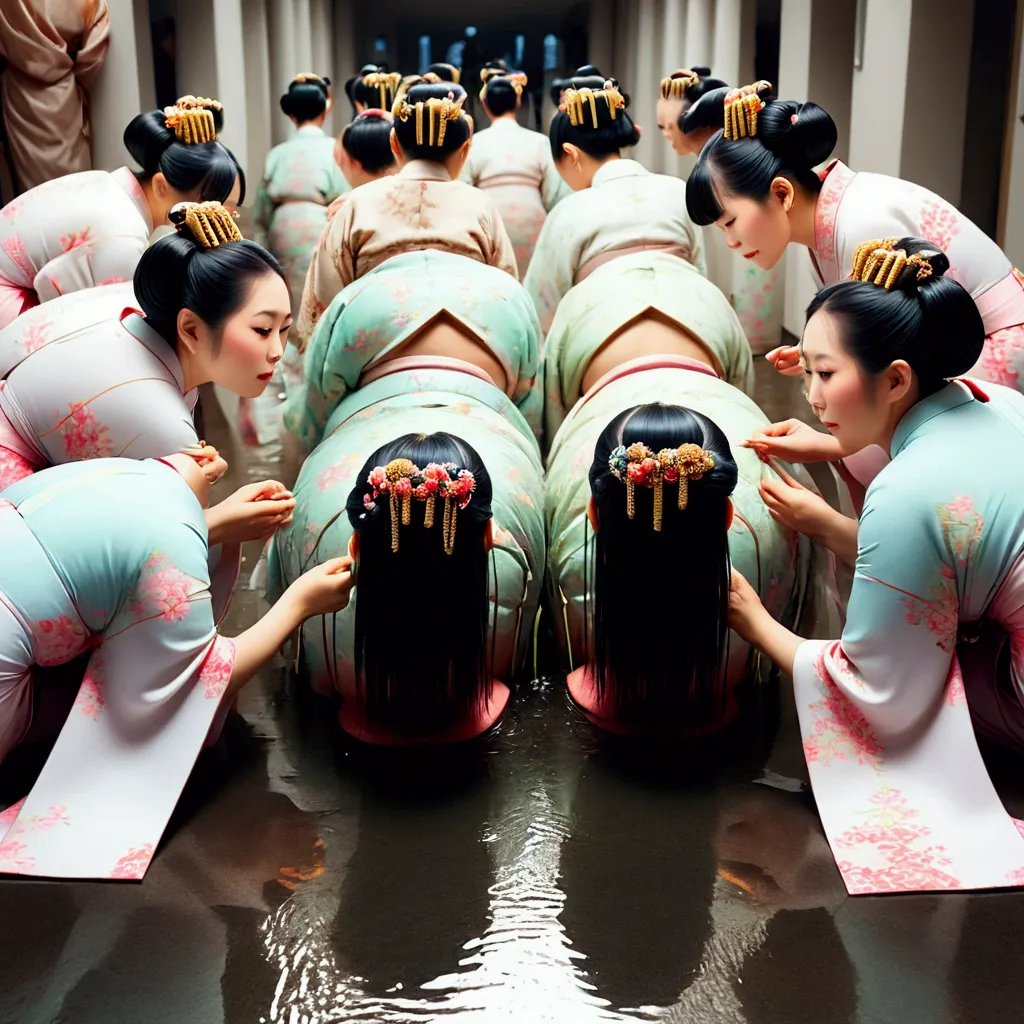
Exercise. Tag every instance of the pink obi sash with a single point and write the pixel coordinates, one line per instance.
(672, 248)
(1002, 305)
(508, 181)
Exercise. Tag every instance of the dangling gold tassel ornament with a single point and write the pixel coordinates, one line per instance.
(394, 522)
(428, 512)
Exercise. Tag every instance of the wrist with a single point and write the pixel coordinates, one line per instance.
(214, 525)
(295, 604)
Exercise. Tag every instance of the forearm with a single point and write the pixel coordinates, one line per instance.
(839, 534)
(775, 641)
(214, 526)
(257, 645)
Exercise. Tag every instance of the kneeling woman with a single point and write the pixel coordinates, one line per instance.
(931, 645)
(462, 311)
(111, 558)
(640, 552)
(448, 585)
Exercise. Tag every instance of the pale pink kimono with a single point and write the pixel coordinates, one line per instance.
(54, 50)
(71, 233)
(855, 207)
(421, 207)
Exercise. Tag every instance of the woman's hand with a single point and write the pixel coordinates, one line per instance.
(794, 506)
(253, 513)
(786, 359)
(324, 589)
(794, 441)
(745, 608)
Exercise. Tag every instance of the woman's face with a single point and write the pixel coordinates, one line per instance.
(844, 398)
(251, 341)
(669, 112)
(758, 230)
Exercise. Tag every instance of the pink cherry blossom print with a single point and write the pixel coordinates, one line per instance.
(955, 692)
(163, 591)
(89, 701)
(73, 239)
(1002, 359)
(132, 866)
(330, 477)
(35, 336)
(13, 467)
(10, 210)
(832, 191)
(1016, 876)
(10, 815)
(939, 222)
(112, 280)
(1018, 824)
(59, 640)
(17, 251)
(940, 613)
(84, 437)
(216, 671)
(13, 858)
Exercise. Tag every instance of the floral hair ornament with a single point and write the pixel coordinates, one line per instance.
(674, 87)
(403, 480)
(575, 99)
(741, 109)
(880, 262)
(210, 224)
(191, 119)
(639, 466)
(440, 110)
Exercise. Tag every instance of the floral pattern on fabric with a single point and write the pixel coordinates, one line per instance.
(216, 671)
(837, 180)
(132, 866)
(1002, 359)
(59, 640)
(14, 246)
(163, 591)
(73, 239)
(13, 467)
(89, 701)
(939, 222)
(85, 437)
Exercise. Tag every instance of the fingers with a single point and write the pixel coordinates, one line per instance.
(336, 565)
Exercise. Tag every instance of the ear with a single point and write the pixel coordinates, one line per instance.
(189, 327)
(395, 146)
(463, 150)
(160, 185)
(730, 511)
(782, 190)
(592, 514)
(353, 545)
(898, 379)
(571, 152)
(489, 535)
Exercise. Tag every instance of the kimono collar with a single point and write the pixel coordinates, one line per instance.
(127, 180)
(310, 129)
(835, 179)
(952, 396)
(615, 169)
(424, 170)
(134, 322)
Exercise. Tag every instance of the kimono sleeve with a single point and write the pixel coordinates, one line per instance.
(895, 655)
(324, 279)
(109, 260)
(552, 267)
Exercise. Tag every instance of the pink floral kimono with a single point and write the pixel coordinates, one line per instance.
(70, 233)
(932, 652)
(854, 207)
(110, 558)
(418, 208)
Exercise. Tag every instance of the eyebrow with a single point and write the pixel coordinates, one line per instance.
(271, 312)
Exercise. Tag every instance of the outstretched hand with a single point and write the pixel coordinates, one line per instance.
(325, 588)
(794, 506)
(253, 513)
(793, 441)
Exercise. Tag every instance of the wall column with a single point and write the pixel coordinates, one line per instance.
(1011, 206)
(700, 30)
(346, 63)
(281, 28)
(673, 46)
(600, 35)
(259, 100)
(302, 13)
(322, 17)
(231, 80)
(643, 86)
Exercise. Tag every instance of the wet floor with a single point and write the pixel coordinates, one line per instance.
(544, 876)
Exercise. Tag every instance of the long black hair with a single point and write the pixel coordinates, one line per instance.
(456, 132)
(367, 139)
(421, 614)
(176, 273)
(661, 598)
(611, 135)
(206, 169)
(306, 98)
(932, 323)
(792, 139)
(695, 114)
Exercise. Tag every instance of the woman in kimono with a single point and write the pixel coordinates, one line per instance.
(930, 650)
(685, 123)
(91, 228)
(513, 164)
(761, 189)
(619, 207)
(424, 206)
(483, 555)
(109, 560)
(420, 305)
(669, 485)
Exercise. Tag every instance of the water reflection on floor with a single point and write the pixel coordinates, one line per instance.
(544, 876)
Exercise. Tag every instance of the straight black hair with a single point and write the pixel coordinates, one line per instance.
(422, 615)
(456, 132)
(306, 99)
(933, 323)
(661, 598)
(206, 169)
(792, 139)
(367, 139)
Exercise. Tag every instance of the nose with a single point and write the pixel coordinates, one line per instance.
(731, 242)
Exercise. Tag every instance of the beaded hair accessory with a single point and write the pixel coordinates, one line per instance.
(210, 224)
(675, 86)
(386, 82)
(880, 262)
(639, 466)
(577, 99)
(402, 480)
(436, 110)
(741, 109)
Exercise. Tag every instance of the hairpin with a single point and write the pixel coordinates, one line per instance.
(210, 224)
(639, 466)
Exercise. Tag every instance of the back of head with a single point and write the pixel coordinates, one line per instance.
(430, 123)
(367, 139)
(407, 83)
(901, 305)
(420, 508)
(594, 120)
(306, 98)
(659, 568)
(788, 140)
(180, 142)
(377, 89)
(691, 85)
(502, 90)
(444, 73)
(205, 266)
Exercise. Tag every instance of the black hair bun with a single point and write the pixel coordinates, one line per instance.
(802, 135)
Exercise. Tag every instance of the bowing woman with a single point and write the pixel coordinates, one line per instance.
(684, 122)
(109, 559)
(930, 653)
(92, 227)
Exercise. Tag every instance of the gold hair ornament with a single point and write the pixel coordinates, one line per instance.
(880, 262)
(440, 111)
(741, 109)
(191, 125)
(386, 82)
(517, 80)
(209, 223)
(639, 466)
(675, 86)
(577, 99)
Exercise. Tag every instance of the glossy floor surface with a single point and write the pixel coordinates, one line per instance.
(545, 876)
